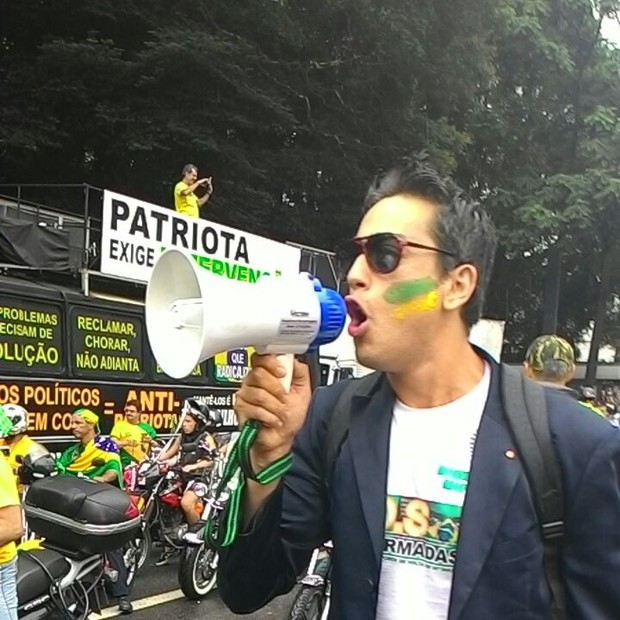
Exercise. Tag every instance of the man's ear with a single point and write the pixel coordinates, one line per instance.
(528, 371)
(459, 286)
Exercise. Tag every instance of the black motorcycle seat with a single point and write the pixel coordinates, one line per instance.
(67, 553)
(32, 580)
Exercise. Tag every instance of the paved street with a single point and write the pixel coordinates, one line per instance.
(156, 595)
(211, 608)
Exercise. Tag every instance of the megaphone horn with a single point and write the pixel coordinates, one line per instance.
(192, 314)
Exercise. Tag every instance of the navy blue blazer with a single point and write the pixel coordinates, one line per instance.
(498, 572)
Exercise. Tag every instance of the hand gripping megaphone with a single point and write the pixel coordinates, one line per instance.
(192, 313)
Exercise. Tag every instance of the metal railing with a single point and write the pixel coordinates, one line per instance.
(78, 208)
(74, 207)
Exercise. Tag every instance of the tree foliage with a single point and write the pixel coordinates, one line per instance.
(292, 106)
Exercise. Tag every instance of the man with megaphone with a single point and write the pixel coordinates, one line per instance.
(428, 499)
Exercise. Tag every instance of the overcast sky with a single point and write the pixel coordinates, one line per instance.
(611, 31)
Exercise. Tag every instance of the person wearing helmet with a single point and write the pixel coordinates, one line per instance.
(20, 444)
(192, 451)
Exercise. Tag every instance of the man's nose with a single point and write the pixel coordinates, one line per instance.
(359, 274)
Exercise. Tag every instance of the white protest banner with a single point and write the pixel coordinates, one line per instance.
(135, 232)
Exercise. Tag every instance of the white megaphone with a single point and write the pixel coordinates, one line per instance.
(192, 314)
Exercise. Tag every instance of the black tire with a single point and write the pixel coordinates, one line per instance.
(144, 544)
(308, 604)
(197, 572)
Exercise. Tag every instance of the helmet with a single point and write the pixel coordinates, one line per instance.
(38, 463)
(18, 417)
(588, 393)
(197, 410)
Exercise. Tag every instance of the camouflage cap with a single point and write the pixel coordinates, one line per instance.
(547, 348)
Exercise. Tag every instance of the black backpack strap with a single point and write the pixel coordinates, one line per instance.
(338, 425)
(526, 409)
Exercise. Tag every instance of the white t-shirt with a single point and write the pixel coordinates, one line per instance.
(429, 463)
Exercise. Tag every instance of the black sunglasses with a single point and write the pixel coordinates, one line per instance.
(383, 251)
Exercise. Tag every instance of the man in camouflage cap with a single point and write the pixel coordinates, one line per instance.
(550, 360)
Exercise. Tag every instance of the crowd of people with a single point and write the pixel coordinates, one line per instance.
(103, 459)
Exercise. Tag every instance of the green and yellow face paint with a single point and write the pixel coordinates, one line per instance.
(412, 296)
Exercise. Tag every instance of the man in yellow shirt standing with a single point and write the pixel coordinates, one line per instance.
(185, 201)
(11, 529)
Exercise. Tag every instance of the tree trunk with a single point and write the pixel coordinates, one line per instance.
(551, 295)
(601, 314)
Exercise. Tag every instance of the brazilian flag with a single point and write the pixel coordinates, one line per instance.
(97, 457)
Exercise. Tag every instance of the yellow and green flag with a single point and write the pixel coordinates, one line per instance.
(97, 457)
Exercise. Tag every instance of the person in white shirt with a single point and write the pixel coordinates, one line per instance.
(427, 502)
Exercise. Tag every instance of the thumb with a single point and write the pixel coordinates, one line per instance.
(301, 376)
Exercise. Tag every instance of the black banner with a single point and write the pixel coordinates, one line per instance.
(51, 403)
(30, 338)
(106, 344)
(24, 242)
(59, 336)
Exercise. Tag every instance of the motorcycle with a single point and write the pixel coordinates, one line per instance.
(312, 600)
(158, 496)
(53, 581)
(57, 582)
(198, 566)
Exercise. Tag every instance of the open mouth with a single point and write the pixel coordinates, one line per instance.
(357, 315)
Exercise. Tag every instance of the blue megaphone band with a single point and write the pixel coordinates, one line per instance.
(333, 314)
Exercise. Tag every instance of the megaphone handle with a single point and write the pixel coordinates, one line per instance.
(287, 360)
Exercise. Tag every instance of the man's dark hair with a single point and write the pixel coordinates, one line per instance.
(553, 370)
(133, 402)
(462, 227)
(188, 168)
